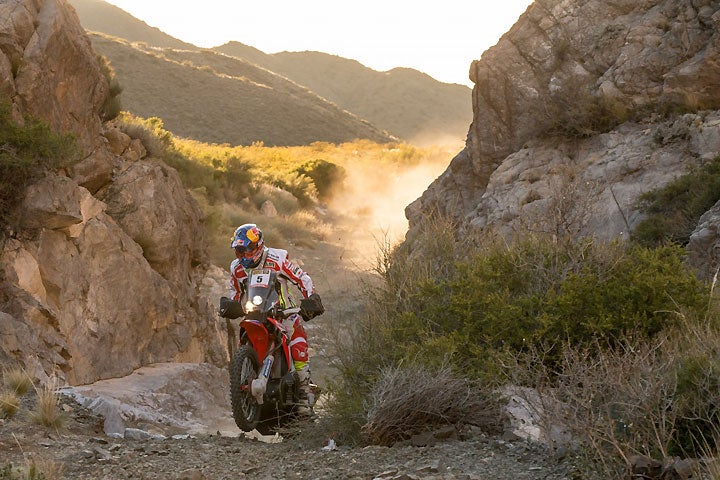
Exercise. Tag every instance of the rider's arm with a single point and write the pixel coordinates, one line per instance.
(296, 275)
(237, 278)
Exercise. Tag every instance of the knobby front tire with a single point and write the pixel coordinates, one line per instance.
(243, 370)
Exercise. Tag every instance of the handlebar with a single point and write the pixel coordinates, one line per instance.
(290, 311)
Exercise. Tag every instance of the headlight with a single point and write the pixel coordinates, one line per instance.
(252, 305)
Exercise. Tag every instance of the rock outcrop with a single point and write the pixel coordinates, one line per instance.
(49, 70)
(107, 271)
(585, 103)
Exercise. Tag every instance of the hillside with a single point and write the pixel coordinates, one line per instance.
(215, 98)
(404, 102)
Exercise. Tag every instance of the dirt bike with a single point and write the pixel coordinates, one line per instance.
(264, 387)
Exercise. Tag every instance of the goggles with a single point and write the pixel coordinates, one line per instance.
(247, 250)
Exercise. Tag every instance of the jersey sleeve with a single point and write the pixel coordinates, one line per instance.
(237, 277)
(296, 275)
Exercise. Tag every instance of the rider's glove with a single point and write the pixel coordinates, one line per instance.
(230, 308)
(311, 307)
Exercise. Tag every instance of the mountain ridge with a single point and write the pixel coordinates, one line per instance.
(404, 101)
(416, 108)
(219, 99)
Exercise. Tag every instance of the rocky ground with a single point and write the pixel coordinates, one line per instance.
(177, 423)
(81, 450)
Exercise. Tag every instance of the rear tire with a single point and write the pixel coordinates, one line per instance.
(243, 370)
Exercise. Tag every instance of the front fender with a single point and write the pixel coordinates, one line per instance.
(258, 335)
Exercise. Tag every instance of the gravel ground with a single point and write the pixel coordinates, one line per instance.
(82, 451)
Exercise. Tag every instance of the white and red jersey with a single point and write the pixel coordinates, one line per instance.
(275, 259)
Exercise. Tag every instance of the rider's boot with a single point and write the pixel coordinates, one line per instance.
(306, 393)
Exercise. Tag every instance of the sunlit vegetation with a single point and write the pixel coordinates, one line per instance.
(17, 379)
(237, 184)
(111, 107)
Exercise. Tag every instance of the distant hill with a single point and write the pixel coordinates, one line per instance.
(215, 98)
(100, 16)
(403, 101)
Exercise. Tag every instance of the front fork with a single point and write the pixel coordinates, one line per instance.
(258, 386)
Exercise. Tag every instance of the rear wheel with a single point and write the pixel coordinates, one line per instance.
(243, 370)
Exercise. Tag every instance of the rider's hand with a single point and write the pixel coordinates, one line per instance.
(230, 308)
(311, 307)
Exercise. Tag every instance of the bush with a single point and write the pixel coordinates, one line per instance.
(473, 304)
(9, 403)
(659, 398)
(26, 152)
(536, 291)
(17, 380)
(673, 211)
(47, 412)
(406, 401)
(326, 176)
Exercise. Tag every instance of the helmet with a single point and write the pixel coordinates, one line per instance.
(248, 244)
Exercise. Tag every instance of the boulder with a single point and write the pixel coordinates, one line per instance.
(94, 171)
(53, 202)
(150, 203)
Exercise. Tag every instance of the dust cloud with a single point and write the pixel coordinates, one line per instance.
(371, 206)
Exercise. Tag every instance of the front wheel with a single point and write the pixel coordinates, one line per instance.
(243, 370)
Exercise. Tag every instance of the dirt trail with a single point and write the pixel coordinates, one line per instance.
(80, 450)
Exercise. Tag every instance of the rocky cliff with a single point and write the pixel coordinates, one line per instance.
(107, 271)
(581, 107)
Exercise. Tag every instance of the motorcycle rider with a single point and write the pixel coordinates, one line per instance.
(251, 252)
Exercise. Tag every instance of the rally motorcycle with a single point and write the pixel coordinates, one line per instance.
(264, 387)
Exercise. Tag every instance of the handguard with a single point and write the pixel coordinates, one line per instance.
(311, 307)
(230, 308)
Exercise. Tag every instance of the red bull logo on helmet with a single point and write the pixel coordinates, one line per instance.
(253, 235)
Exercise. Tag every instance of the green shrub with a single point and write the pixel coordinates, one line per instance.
(537, 291)
(673, 210)
(157, 141)
(326, 176)
(299, 185)
(26, 152)
(476, 304)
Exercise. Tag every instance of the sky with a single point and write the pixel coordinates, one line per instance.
(439, 38)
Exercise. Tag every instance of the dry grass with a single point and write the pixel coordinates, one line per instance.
(41, 468)
(48, 413)
(411, 400)
(17, 379)
(645, 398)
(9, 404)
